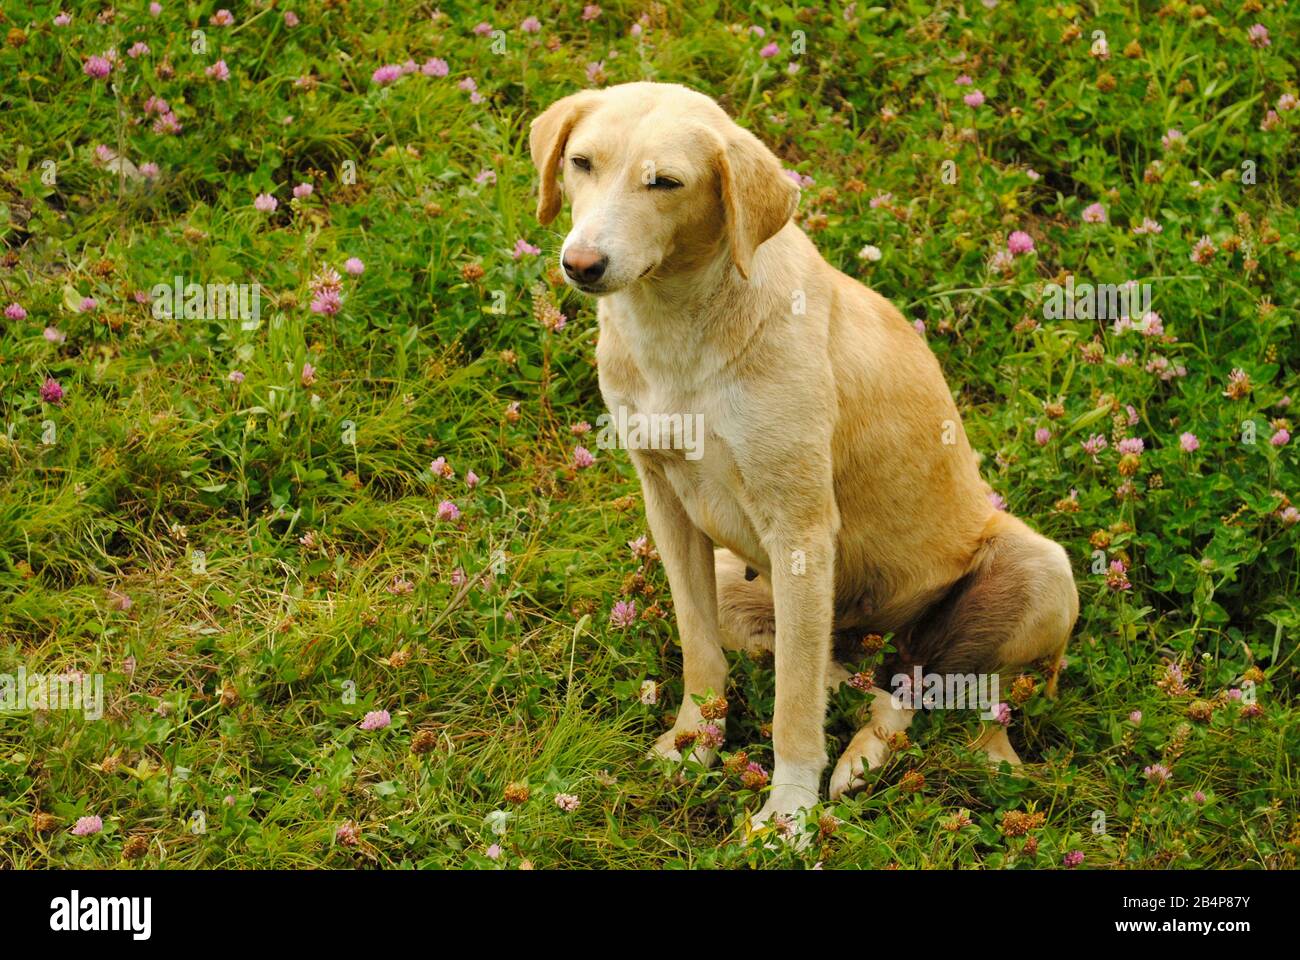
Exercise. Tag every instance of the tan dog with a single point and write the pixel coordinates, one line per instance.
(833, 459)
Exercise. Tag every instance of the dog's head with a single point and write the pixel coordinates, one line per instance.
(660, 180)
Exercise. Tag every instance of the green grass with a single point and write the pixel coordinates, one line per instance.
(266, 532)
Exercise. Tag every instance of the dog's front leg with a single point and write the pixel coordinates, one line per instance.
(803, 577)
(687, 555)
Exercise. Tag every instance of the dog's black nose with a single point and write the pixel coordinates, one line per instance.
(584, 265)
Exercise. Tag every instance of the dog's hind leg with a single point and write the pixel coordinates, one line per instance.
(746, 614)
(1015, 607)
(1043, 618)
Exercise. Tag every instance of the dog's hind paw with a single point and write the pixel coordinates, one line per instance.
(867, 751)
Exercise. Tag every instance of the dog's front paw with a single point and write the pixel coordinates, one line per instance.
(700, 743)
(784, 818)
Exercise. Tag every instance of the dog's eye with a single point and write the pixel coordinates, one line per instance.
(664, 183)
(582, 163)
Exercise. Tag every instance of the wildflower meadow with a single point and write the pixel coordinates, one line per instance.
(313, 552)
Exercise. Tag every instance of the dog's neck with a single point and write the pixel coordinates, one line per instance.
(687, 325)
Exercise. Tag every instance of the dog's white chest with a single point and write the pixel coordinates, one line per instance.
(680, 436)
(679, 420)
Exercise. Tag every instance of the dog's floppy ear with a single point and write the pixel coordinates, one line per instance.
(757, 197)
(546, 139)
